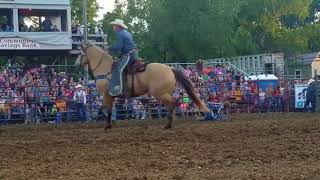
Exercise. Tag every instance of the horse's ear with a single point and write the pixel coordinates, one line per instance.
(83, 46)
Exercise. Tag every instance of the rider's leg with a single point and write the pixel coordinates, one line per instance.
(115, 87)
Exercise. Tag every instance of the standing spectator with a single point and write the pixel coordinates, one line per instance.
(278, 99)
(95, 110)
(188, 71)
(200, 66)
(80, 33)
(262, 97)
(99, 33)
(269, 96)
(46, 25)
(61, 106)
(80, 99)
(28, 118)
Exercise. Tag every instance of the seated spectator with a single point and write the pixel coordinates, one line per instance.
(31, 29)
(55, 29)
(8, 29)
(23, 28)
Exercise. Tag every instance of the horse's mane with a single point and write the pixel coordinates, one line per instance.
(105, 54)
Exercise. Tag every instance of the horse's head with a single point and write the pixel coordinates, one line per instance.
(92, 56)
(83, 58)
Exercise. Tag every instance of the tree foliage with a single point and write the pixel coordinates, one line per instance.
(77, 11)
(173, 31)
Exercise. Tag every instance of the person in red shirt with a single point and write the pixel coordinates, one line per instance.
(277, 99)
(214, 98)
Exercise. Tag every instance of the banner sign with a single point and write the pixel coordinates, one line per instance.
(300, 95)
(18, 43)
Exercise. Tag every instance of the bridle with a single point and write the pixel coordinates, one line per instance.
(84, 54)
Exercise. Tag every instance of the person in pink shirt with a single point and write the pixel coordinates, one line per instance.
(218, 70)
(188, 71)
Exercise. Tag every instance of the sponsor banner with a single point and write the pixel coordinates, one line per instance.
(18, 43)
(300, 95)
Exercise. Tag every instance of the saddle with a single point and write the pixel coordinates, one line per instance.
(138, 66)
(128, 73)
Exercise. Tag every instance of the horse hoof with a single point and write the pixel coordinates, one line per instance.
(107, 128)
(168, 127)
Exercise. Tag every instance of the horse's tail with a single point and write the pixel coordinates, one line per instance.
(188, 87)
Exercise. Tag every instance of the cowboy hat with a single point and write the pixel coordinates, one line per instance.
(119, 22)
(78, 86)
(311, 81)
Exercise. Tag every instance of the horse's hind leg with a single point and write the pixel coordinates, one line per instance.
(170, 103)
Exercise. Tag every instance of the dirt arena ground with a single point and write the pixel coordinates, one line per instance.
(273, 146)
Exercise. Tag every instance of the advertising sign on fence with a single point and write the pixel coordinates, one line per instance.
(300, 95)
(18, 43)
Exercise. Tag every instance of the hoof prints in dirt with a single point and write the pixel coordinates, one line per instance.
(246, 148)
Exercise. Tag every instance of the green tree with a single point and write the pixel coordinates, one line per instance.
(277, 25)
(118, 13)
(173, 31)
(77, 11)
(180, 31)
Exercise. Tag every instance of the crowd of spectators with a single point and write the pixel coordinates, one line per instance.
(78, 34)
(218, 84)
(41, 94)
(45, 26)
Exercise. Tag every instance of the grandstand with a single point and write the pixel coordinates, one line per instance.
(257, 64)
(30, 27)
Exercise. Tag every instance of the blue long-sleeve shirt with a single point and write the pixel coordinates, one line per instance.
(124, 42)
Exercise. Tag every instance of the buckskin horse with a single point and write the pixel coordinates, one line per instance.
(157, 79)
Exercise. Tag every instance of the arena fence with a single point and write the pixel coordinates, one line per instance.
(34, 106)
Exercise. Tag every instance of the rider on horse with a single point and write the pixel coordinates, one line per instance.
(126, 47)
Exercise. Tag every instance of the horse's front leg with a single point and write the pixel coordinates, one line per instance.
(107, 111)
(108, 114)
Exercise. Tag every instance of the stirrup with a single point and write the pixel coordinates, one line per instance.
(116, 91)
